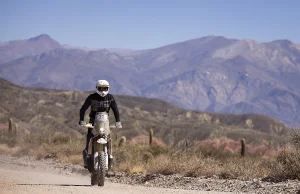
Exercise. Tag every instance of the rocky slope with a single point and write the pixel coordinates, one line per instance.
(41, 109)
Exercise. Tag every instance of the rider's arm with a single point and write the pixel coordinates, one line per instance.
(115, 109)
(84, 107)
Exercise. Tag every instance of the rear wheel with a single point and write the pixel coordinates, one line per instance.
(101, 168)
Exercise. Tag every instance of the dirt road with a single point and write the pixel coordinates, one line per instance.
(36, 177)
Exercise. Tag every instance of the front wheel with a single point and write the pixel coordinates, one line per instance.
(101, 168)
(94, 172)
(94, 179)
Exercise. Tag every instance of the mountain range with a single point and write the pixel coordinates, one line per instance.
(211, 73)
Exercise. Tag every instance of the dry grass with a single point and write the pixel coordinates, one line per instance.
(138, 169)
(72, 159)
(6, 150)
(288, 160)
(64, 147)
(197, 165)
(8, 138)
(193, 161)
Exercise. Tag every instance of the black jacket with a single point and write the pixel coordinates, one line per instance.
(97, 103)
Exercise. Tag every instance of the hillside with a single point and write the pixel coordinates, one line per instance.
(38, 109)
(211, 73)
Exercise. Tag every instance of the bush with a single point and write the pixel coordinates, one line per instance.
(288, 160)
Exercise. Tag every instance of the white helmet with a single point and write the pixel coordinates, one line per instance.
(102, 87)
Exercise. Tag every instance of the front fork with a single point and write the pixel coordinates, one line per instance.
(100, 147)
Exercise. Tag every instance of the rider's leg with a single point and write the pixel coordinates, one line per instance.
(89, 136)
(85, 151)
(84, 156)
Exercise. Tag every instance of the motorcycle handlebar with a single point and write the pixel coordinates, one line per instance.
(89, 125)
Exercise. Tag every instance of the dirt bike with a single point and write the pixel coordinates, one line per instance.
(99, 148)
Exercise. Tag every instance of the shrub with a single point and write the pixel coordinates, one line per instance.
(288, 160)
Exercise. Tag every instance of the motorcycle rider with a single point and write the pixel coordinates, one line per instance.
(98, 100)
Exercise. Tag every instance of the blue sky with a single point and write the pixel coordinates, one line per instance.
(143, 24)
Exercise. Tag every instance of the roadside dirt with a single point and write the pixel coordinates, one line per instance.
(26, 175)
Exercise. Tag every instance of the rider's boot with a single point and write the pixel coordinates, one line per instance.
(110, 161)
(84, 156)
(90, 162)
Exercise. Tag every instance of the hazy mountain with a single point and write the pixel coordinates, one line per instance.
(19, 48)
(115, 50)
(210, 73)
(69, 69)
(242, 76)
